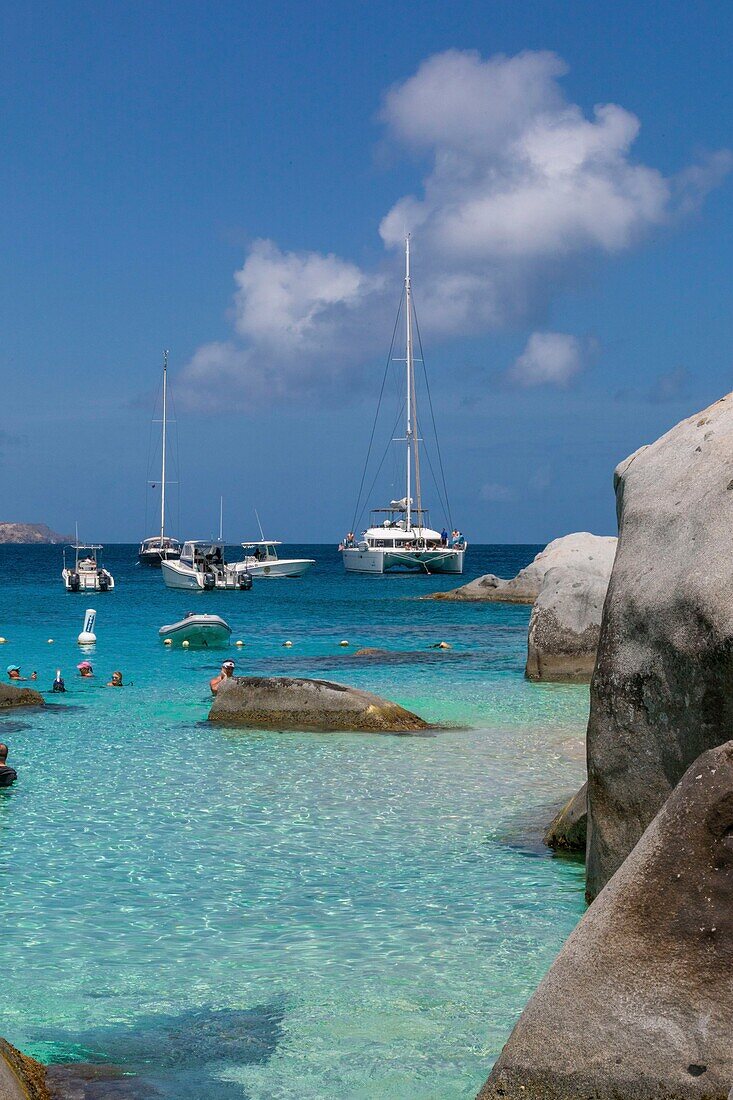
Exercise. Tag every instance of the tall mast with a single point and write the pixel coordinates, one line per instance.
(410, 367)
(165, 425)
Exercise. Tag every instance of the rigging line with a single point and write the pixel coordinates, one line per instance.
(443, 503)
(376, 415)
(390, 441)
(432, 417)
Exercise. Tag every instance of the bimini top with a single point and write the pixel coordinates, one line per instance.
(260, 542)
(86, 546)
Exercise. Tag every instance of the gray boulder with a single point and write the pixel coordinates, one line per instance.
(638, 1004)
(662, 691)
(567, 832)
(285, 703)
(565, 624)
(11, 696)
(526, 586)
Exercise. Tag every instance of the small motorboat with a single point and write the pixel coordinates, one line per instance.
(204, 631)
(86, 574)
(202, 568)
(262, 561)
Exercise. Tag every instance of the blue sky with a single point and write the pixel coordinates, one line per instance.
(231, 181)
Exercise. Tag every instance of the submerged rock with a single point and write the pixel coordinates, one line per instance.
(639, 1002)
(11, 696)
(662, 691)
(526, 586)
(567, 830)
(565, 624)
(280, 702)
(21, 1078)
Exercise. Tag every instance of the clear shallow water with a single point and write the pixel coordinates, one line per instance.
(235, 914)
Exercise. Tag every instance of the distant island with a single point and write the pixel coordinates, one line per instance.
(31, 532)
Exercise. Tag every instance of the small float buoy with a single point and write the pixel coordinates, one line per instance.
(185, 643)
(3, 641)
(239, 643)
(167, 641)
(344, 642)
(443, 645)
(287, 645)
(50, 641)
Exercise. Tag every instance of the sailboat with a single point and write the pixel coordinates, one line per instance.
(399, 537)
(159, 548)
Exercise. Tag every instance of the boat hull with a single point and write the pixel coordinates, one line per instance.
(279, 567)
(200, 631)
(391, 561)
(155, 558)
(176, 575)
(87, 582)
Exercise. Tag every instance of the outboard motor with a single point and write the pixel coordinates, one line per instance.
(74, 582)
(209, 582)
(244, 581)
(103, 582)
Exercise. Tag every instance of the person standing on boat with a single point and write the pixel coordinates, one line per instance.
(227, 671)
(444, 537)
(7, 775)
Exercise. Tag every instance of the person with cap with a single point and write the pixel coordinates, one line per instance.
(227, 671)
(85, 669)
(7, 775)
(14, 673)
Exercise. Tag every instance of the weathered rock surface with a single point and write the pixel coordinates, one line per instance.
(30, 533)
(565, 624)
(526, 586)
(279, 702)
(11, 696)
(662, 691)
(21, 1078)
(567, 832)
(638, 1004)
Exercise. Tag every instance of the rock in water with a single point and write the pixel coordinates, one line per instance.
(567, 830)
(662, 691)
(638, 1004)
(566, 618)
(11, 696)
(526, 586)
(285, 703)
(21, 1078)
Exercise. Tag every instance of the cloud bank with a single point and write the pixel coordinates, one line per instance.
(521, 185)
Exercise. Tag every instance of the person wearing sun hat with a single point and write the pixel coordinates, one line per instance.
(14, 672)
(85, 669)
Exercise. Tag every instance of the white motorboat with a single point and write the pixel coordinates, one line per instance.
(202, 568)
(86, 574)
(399, 538)
(261, 560)
(161, 547)
(202, 631)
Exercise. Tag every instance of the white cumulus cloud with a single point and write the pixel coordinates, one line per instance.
(550, 358)
(520, 185)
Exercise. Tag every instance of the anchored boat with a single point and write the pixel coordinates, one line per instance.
(202, 568)
(399, 538)
(261, 560)
(161, 547)
(204, 631)
(86, 574)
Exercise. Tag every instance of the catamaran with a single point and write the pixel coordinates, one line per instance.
(399, 537)
(161, 547)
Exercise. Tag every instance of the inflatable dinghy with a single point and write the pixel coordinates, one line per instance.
(204, 631)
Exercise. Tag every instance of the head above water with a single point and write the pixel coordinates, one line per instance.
(3, 753)
(228, 667)
(13, 670)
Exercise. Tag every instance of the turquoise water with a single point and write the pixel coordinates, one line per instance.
(236, 914)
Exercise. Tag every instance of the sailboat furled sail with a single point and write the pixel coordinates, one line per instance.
(399, 537)
(161, 547)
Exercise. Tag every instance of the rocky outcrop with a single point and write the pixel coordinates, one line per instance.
(567, 830)
(284, 703)
(11, 696)
(30, 533)
(21, 1078)
(639, 1002)
(526, 586)
(662, 691)
(565, 624)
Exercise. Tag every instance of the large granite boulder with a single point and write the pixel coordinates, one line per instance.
(567, 832)
(526, 586)
(638, 1004)
(21, 1078)
(662, 691)
(285, 703)
(566, 618)
(11, 696)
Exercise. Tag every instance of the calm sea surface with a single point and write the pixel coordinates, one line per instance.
(237, 914)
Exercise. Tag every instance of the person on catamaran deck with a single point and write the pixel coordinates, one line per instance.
(444, 537)
(116, 681)
(14, 673)
(7, 775)
(227, 671)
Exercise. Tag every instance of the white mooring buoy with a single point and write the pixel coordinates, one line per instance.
(87, 636)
